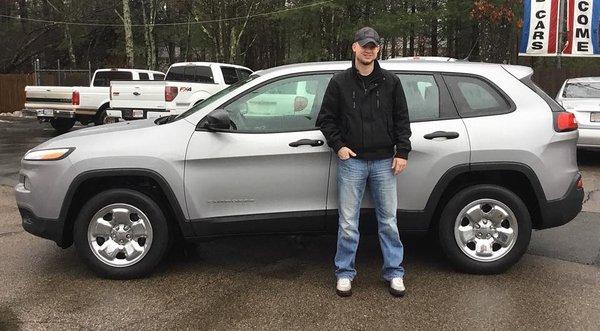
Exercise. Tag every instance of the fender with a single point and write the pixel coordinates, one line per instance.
(186, 229)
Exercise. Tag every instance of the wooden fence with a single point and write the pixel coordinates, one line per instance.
(12, 91)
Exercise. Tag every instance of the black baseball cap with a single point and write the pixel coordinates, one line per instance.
(366, 35)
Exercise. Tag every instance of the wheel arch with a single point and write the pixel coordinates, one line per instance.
(146, 181)
(517, 177)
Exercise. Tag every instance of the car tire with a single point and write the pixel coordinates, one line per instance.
(102, 117)
(62, 125)
(121, 234)
(484, 229)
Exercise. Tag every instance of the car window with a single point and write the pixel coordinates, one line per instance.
(267, 109)
(143, 76)
(582, 90)
(203, 74)
(158, 76)
(229, 75)
(243, 73)
(475, 97)
(422, 96)
(103, 78)
(198, 74)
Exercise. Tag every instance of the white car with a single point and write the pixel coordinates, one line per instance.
(581, 96)
(62, 106)
(186, 84)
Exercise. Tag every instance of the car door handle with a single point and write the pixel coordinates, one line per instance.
(310, 142)
(136, 93)
(441, 134)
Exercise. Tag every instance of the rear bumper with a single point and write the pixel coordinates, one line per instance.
(45, 228)
(589, 138)
(136, 114)
(561, 211)
(50, 113)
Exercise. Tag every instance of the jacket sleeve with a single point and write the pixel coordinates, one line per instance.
(329, 120)
(402, 130)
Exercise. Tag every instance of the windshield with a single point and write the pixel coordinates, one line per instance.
(582, 90)
(215, 96)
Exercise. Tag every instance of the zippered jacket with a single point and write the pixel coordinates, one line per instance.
(370, 120)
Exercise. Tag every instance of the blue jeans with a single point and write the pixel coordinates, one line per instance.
(353, 176)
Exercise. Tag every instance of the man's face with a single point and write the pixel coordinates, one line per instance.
(365, 54)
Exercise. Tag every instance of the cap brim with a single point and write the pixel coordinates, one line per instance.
(365, 41)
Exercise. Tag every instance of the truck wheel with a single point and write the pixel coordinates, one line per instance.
(62, 125)
(484, 229)
(103, 118)
(121, 234)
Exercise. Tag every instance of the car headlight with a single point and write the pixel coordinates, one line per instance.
(48, 154)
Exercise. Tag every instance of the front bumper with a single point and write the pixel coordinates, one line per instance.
(45, 228)
(561, 211)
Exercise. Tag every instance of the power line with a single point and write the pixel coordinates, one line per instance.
(169, 24)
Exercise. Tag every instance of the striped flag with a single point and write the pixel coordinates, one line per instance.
(582, 25)
(540, 28)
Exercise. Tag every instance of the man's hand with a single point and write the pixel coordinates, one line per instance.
(398, 165)
(344, 153)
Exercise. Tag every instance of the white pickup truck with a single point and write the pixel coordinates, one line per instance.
(62, 106)
(185, 85)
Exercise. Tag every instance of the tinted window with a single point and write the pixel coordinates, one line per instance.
(203, 75)
(103, 78)
(159, 76)
(243, 73)
(266, 109)
(143, 76)
(198, 74)
(229, 75)
(422, 96)
(476, 97)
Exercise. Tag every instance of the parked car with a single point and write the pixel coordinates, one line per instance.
(62, 106)
(186, 84)
(581, 96)
(493, 158)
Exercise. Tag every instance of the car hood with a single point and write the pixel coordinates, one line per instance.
(94, 133)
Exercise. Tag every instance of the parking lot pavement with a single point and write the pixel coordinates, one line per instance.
(287, 282)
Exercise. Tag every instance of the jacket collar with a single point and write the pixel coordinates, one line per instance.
(376, 69)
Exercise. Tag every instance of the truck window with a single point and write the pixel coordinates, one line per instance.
(198, 74)
(103, 78)
(143, 76)
(243, 73)
(229, 75)
(159, 77)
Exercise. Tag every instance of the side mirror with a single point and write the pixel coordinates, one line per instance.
(217, 120)
(300, 103)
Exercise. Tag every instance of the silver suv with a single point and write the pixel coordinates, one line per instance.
(493, 158)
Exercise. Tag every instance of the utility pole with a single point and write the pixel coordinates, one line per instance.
(561, 21)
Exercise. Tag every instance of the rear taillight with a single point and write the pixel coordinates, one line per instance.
(75, 98)
(170, 93)
(564, 121)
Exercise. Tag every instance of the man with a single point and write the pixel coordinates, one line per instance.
(364, 118)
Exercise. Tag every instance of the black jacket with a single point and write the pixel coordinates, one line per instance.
(370, 120)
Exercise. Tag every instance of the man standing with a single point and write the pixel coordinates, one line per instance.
(364, 118)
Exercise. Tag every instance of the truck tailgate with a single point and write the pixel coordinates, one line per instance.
(38, 97)
(137, 95)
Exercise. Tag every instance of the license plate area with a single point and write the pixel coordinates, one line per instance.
(595, 117)
(138, 113)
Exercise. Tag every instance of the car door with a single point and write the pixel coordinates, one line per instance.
(269, 172)
(439, 143)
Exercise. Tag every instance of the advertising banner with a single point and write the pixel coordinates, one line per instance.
(539, 34)
(582, 28)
